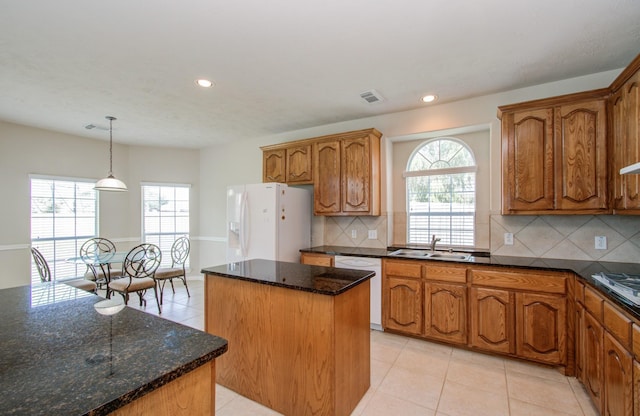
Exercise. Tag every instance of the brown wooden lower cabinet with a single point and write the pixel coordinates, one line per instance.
(593, 350)
(541, 327)
(445, 307)
(492, 320)
(503, 310)
(636, 388)
(579, 334)
(618, 378)
(404, 305)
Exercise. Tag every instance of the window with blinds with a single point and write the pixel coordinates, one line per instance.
(441, 188)
(165, 216)
(63, 217)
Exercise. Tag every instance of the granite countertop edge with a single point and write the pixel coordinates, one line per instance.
(584, 269)
(299, 276)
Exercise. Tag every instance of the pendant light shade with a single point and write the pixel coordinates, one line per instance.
(110, 183)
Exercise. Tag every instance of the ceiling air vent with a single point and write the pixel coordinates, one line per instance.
(372, 96)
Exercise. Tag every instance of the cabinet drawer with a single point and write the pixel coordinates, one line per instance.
(593, 303)
(618, 324)
(446, 273)
(402, 268)
(520, 280)
(316, 259)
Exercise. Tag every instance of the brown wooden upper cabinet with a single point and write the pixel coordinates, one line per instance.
(554, 155)
(346, 170)
(343, 168)
(625, 136)
(289, 163)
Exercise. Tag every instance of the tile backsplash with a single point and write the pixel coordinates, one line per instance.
(354, 231)
(569, 237)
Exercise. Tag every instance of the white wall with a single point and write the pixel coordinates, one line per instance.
(27, 150)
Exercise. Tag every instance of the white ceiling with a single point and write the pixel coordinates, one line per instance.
(283, 65)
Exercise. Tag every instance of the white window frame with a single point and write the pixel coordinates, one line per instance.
(446, 236)
(164, 239)
(52, 247)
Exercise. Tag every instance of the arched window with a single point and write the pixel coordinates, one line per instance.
(441, 193)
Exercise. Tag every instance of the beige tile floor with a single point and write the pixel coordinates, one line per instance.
(413, 377)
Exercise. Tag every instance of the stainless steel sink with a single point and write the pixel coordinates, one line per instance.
(450, 256)
(426, 254)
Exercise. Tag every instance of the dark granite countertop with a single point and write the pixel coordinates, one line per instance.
(582, 268)
(317, 279)
(55, 349)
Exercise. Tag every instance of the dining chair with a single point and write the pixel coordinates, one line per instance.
(101, 274)
(45, 273)
(179, 253)
(138, 271)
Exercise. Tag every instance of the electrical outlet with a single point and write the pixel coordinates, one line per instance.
(508, 239)
(354, 233)
(373, 234)
(601, 242)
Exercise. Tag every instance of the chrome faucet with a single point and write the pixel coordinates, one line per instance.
(434, 240)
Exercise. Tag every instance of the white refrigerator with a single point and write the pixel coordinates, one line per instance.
(269, 221)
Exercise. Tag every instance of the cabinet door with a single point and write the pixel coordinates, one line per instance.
(636, 388)
(593, 350)
(299, 164)
(541, 327)
(580, 342)
(326, 190)
(445, 309)
(492, 320)
(631, 128)
(618, 137)
(581, 156)
(618, 379)
(356, 175)
(404, 311)
(527, 176)
(273, 165)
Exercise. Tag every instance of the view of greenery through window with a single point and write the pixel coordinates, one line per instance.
(441, 193)
(165, 216)
(63, 216)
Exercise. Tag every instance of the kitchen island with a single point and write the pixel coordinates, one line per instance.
(299, 334)
(59, 356)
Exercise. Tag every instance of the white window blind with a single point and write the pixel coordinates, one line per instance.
(165, 212)
(440, 185)
(63, 217)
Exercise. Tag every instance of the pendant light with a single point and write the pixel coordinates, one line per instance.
(110, 183)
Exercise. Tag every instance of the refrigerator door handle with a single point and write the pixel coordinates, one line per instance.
(244, 225)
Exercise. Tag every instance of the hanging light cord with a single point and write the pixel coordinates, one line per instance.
(110, 118)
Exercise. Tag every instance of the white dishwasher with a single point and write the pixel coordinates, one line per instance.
(374, 265)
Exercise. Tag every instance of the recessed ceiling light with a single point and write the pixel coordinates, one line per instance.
(429, 98)
(204, 83)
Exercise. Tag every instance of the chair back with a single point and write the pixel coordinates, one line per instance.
(41, 265)
(142, 261)
(96, 246)
(180, 251)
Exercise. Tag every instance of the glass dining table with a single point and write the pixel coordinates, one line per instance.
(102, 262)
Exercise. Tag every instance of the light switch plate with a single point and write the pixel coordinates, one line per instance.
(373, 234)
(354, 233)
